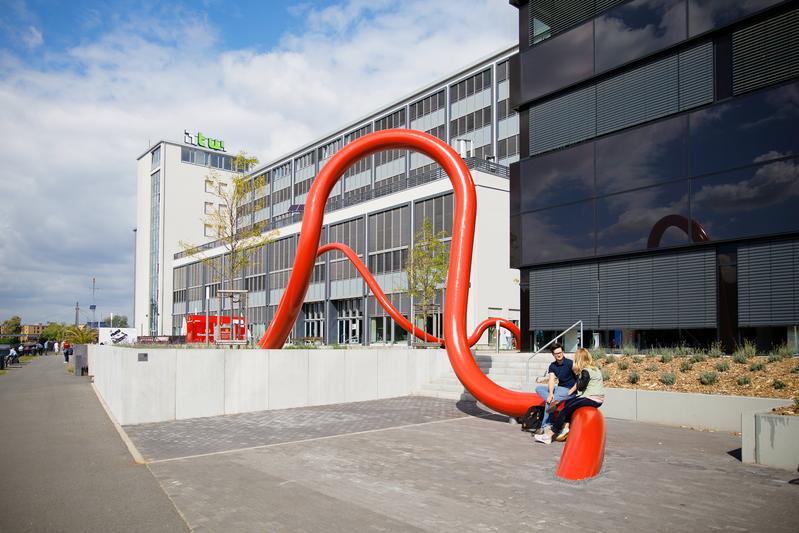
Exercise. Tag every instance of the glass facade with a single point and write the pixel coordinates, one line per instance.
(155, 223)
(661, 133)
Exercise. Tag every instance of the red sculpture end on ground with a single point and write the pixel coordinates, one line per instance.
(585, 448)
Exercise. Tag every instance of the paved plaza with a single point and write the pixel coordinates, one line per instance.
(402, 464)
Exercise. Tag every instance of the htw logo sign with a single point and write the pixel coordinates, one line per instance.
(203, 141)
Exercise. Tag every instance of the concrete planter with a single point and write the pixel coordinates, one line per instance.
(770, 439)
(701, 411)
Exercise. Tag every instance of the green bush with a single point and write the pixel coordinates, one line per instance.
(668, 378)
(782, 350)
(682, 350)
(611, 359)
(629, 349)
(599, 354)
(698, 358)
(795, 370)
(747, 349)
(634, 377)
(637, 359)
(744, 380)
(778, 384)
(708, 378)
(652, 368)
(775, 358)
(623, 365)
(739, 358)
(756, 367)
(685, 366)
(666, 358)
(723, 366)
(605, 374)
(715, 350)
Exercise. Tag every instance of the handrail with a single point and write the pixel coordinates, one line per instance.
(541, 349)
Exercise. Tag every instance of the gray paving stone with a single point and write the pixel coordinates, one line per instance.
(469, 473)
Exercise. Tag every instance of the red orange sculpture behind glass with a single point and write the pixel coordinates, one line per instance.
(511, 403)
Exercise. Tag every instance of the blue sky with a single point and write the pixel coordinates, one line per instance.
(86, 86)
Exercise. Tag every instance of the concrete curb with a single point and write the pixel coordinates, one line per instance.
(134, 452)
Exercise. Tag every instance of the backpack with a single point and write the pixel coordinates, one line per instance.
(532, 419)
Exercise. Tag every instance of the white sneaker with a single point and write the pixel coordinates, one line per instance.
(563, 433)
(545, 438)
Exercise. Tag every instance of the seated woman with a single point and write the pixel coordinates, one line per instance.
(591, 393)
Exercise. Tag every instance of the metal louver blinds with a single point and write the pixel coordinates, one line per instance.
(660, 88)
(565, 120)
(550, 17)
(638, 95)
(561, 296)
(765, 53)
(768, 284)
(656, 292)
(696, 76)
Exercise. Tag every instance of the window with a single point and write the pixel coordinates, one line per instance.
(209, 230)
(156, 158)
(209, 186)
(555, 234)
(209, 208)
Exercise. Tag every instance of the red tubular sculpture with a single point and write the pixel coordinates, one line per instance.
(511, 403)
(398, 317)
(585, 449)
(697, 232)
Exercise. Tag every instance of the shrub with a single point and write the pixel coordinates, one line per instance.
(723, 366)
(715, 350)
(666, 357)
(605, 374)
(682, 349)
(756, 367)
(666, 351)
(623, 365)
(652, 368)
(629, 349)
(685, 366)
(778, 384)
(795, 370)
(747, 349)
(708, 378)
(739, 358)
(599, 354)
(782, 350)
(744, 380)
(611, 359)
(668, 378)
(637, 359)
(698, 358)
(634, 377)
(775, 358)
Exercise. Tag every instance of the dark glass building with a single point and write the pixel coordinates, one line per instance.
(657, 193)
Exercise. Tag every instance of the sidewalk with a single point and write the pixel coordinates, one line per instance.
(63, 467)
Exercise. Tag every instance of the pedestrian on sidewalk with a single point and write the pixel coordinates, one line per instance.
(67, 351)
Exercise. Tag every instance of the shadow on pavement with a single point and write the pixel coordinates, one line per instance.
(472, 409)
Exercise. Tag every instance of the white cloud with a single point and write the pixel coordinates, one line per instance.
(32, 37)
(73, 128)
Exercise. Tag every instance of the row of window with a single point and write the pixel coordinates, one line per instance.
(428, 105)
(394, 261)
(471, 85)
(390, 121)
(508, 147)
(470, 122)
(198, 157)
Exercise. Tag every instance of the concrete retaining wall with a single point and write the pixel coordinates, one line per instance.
(700, 411)
(179, 383)
(771, 440)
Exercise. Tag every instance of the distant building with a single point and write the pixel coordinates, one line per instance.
(31, 332)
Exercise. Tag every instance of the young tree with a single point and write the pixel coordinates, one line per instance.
(427, 266)
(238, 240)
(54, 331)
(79, 335)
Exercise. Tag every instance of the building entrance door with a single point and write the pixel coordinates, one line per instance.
(349, 321)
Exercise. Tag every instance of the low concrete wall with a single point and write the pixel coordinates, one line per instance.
(178, 383)
(771, 440)
(700, 411)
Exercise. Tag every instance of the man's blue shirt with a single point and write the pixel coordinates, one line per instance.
(563, 372)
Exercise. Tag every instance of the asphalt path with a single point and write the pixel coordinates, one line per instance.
(63, 466)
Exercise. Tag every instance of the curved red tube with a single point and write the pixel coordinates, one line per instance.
(398, 317)
(697, 232)
(585, 448)
(511, 403)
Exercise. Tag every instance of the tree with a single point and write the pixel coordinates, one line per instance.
(12, 326)
(80, 335)
(427, 266)
(119, 321)
(237, 240)
(54, 331)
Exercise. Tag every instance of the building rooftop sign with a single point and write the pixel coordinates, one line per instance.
(203, 142)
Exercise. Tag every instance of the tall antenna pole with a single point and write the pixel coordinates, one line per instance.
(77, 308)
(94, 306)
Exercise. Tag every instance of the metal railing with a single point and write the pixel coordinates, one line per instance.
(544, 347)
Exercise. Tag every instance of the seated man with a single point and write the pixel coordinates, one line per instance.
(561, 370)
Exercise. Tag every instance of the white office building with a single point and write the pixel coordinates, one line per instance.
(376, 209)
